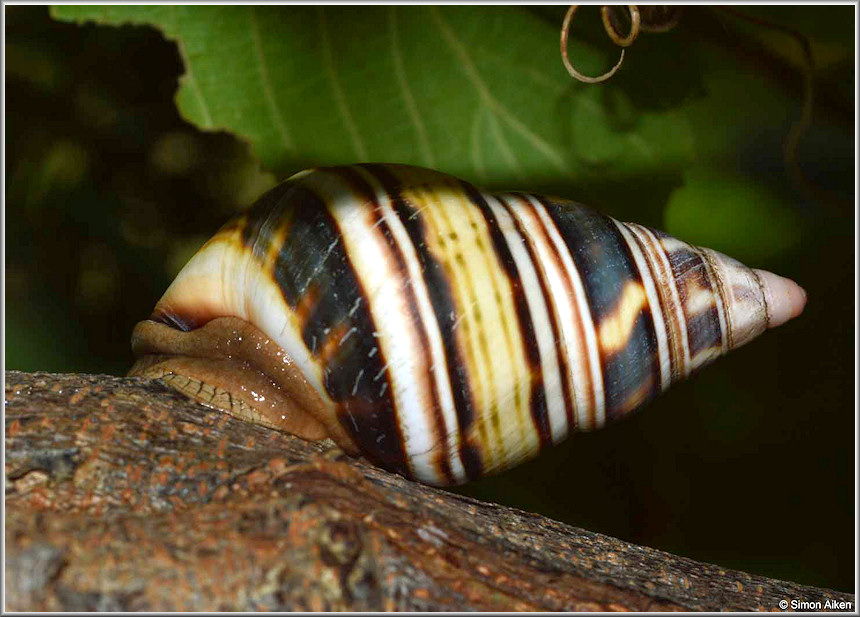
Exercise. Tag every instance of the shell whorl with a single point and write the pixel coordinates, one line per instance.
(453, 332)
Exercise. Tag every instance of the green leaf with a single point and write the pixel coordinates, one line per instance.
(475, 91)
(481, 93)
(732, 214)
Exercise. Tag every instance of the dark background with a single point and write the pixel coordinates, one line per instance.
(750, 464)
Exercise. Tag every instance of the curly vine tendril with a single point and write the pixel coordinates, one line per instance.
(621, 41)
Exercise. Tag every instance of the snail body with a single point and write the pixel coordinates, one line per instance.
(440, 330)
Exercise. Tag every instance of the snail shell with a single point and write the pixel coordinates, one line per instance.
(442, 331)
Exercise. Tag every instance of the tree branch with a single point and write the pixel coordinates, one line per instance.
(123, 495)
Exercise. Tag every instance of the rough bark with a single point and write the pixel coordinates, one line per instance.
(123, 495)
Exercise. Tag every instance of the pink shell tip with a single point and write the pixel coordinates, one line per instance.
(785, 299)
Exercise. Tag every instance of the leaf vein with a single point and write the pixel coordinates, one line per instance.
(411, 106)
(477, 154)
(505, 148)
(268, 90)
(337, 91)
(475, 77)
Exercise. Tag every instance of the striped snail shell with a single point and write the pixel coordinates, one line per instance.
(440, 330)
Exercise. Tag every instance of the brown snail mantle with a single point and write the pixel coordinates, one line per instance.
(238, 517)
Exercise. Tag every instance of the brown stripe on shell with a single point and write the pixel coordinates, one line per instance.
(762, 293)
(581, 319)
(693, 280)
(311, 240)
(613, 284)
(719, 302)
(722, 297)
(359, 185)
(552, 311)
(669, 298)
(661, 304)
(441, 296)
(537, 396)
(492, 445)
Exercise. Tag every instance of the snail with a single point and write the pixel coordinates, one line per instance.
(442, 331)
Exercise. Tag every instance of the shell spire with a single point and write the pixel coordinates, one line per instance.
(443, 331)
